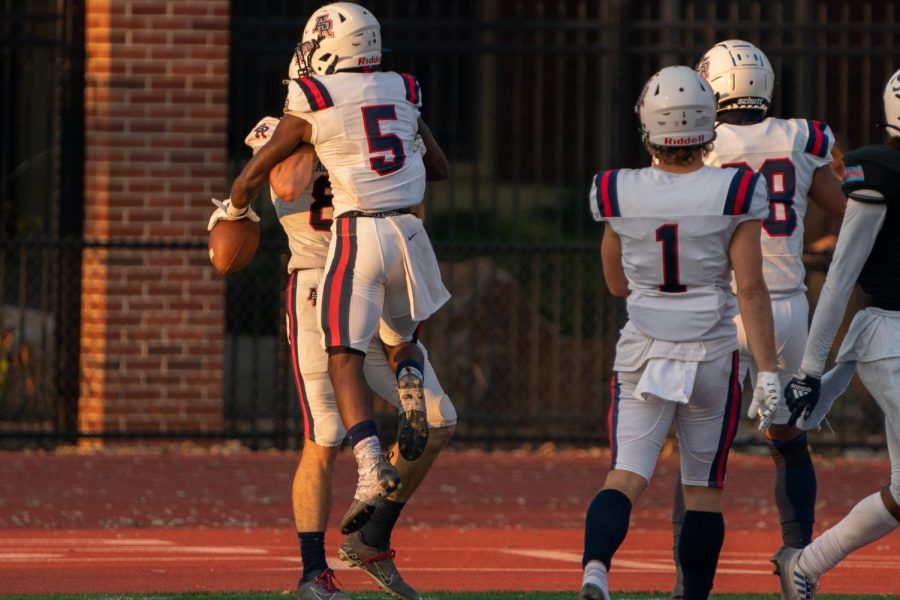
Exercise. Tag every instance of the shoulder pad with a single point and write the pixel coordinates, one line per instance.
(308, 94)
(413, 91)
(605, 195)
(740, 192)
(818, 141)
(875, 167)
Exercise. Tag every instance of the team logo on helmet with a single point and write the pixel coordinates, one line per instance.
(703, 68)
(324, 26)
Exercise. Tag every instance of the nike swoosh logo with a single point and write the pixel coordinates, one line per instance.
(413, 235)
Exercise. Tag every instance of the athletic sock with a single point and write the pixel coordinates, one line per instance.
(377, 532)
(701, 541)
(410, 365)
(795, 490)
(868, 521)
(605, 526)
(677, 523)
(312, 553)
(361, 431)
(596, 573)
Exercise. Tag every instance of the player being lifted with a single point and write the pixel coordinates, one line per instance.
(793, 155)
(673, 234)
(301, 193)
(381, 273)
(868, 251)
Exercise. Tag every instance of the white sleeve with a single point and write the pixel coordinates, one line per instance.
(862, 222)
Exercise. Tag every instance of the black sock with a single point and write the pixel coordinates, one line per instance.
(312, 553)
(677, 523)
(377, 532)
(605, 526)
(361, 431)
(795, 490)
(701, 540)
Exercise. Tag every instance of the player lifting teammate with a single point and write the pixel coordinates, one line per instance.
(381, 272)
(868, 251)
(301, 193)
(673, 234)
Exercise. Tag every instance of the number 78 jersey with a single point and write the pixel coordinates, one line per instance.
(676, 232)
(363, 128)
(787, 153)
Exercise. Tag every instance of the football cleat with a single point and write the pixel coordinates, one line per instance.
(384, 483)
(589, 591)
(794, 584)
(379, 564)
(412, 434)
(323, 587)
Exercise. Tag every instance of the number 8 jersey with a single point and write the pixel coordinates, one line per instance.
(676, 232)
(786, 152)
(364, 127)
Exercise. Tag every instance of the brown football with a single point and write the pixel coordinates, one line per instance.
(232, 244)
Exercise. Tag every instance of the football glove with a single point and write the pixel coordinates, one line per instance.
(261, 133)
(802, 395)
(226, 212)
(766, 397)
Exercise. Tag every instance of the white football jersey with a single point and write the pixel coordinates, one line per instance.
(676, 231)
(307, 222)
(363, 128)
(786, 152)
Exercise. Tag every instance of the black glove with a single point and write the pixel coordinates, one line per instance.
(801, 395)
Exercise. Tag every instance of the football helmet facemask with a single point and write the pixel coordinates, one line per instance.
(741, 75)
(677, 108)
(339, 36)
(892, 105)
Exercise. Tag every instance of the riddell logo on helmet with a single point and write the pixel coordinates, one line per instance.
(689, 140)
(366, 61)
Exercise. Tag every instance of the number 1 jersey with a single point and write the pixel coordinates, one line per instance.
(676, 232)
(786, 152)
(363, 128)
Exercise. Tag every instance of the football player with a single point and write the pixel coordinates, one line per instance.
(381, 273)
(673, 234)
(868, 252)
(301, 194)
(794, 156)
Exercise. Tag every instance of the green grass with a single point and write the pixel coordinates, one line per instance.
(425, 596)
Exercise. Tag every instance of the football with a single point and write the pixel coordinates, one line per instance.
(232, 244)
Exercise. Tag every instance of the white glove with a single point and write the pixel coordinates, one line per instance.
(420, 145)
(261, 133)
(766, 398)
(225, 212)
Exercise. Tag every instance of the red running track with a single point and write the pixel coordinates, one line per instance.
(163, 522)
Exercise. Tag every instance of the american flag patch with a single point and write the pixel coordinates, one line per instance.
(853, 174)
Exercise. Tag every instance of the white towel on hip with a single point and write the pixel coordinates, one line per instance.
(667, 379)
(423, 277)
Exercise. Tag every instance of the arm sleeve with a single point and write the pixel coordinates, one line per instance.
(862, 222)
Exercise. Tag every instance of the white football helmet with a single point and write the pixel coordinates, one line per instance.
(740, 73)
(677, 108)
(892, 105)
(339, 36)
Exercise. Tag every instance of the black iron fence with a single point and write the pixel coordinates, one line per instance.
(524, 348)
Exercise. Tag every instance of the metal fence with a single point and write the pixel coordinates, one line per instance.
(528, 99)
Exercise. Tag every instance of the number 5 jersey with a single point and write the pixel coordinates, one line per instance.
(676, 232)
(786, 152)
(364, 127)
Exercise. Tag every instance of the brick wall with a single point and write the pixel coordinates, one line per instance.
(155, 133)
